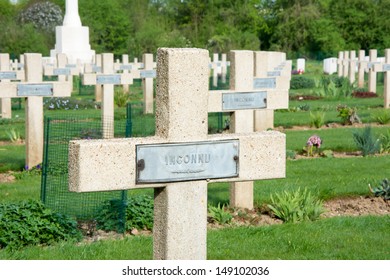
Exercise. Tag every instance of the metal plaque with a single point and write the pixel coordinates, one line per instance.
(7, 75)
(61, 71)
(148, 74)
(108, 79)
(386, 67)
(34, 90)
(70, 65)
(264, 83)
(244, 100)
(96, 69)
(125, 67)
(187, 161)
(273, 73)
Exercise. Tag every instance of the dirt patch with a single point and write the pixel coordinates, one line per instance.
(7, 177)
(364, 94)
(304, 97)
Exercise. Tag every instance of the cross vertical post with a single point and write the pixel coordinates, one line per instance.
(371, 72)
(5, 102)
(387, 81)
(352, 66)
(361, 68)
(147, 84)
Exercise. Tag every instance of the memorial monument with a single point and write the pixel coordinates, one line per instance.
(72, 38)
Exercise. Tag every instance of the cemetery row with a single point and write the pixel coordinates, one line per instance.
(188, 154)
(348, 65)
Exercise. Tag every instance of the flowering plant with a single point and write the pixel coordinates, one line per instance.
(313, 141)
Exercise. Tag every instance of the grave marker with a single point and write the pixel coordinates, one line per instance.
(180, 223)
(361, 68)
(385, 67)
(6, 75)
(340, 64)
(107, 79)
(371, 72)
(352, 66)
(148, 75)
(63, 70)
(33, 89)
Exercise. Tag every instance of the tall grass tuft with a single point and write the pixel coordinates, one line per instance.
(366, 142)
(296, 206)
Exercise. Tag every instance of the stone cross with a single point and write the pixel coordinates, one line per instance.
(385, 67)
(340, 64)
(371, 73)
(352, 66)
(33, 89)
(148, 74)
(346, 64)
(107, 80)
(62, 70)
(6, 75)
(246, 100)
(361, 68)
(180, 160)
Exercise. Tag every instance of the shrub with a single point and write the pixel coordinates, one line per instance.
(120, 97)
(298, 206)
(300, 82)
(317, 120)
(138, 214)
(385, 142)
(383, 190)
(31, 223)
(366, 142)
(382, 117)
(314, 141)
(43, 15)
(219, 215)
(348, 115)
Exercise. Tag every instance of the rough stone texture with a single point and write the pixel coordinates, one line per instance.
(180, 228)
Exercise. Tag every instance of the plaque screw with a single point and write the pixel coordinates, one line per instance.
(235, 158)
(265, 100)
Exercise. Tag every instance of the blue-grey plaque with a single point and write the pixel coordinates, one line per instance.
(96, 69)
(187, 161)
(70, 65)
(113, 79)
(61, 71)
(259, 83)
(244, 100)
(148, 74)
(7, 75)
(273, 73)
(125, 67)
(34, 90)
(386, 67)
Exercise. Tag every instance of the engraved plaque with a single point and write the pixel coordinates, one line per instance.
(125, 67)
(70, 65)
(386, 67)
(34, 90)
(244, 100)
(108, 79)
(148, 74)
(187, 161)
(61, 71)
(264, 83)
(273, 73)
(96, 69)
(7, 75)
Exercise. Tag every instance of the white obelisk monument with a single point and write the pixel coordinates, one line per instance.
(72, 38)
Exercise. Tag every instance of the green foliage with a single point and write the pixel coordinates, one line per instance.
(383, 190)
(366, 142)
(300, 82)
(138, 214)
(219, 215)
(382, 117)
(13, 135)
(317, 120)
(348, 115)
(296, 206)
(31, 223)
(121, 98)
(384, 139)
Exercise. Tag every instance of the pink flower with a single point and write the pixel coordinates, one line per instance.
(314, 140)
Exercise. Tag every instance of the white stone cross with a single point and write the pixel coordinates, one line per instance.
(385, 67)
(247, 97)
(63, 70)
(6, 76)
(33, 89)
(340, 68)
(361, 68)
(148, 74)
(108, 79)
(180, 160)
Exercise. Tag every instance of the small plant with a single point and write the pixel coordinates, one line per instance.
(14, 135)
(317, 120)
(314, 141)
(383, 190)
(219, 215)
(138, 214)
(382, 117)
(120, 97)
(385, 142)
(300, 82)
(366, 142)
(31, 223)
(290, 154)
(348, 115)
(298, 206)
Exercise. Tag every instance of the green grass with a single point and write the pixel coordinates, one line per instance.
(327, 239)
(12, 157)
